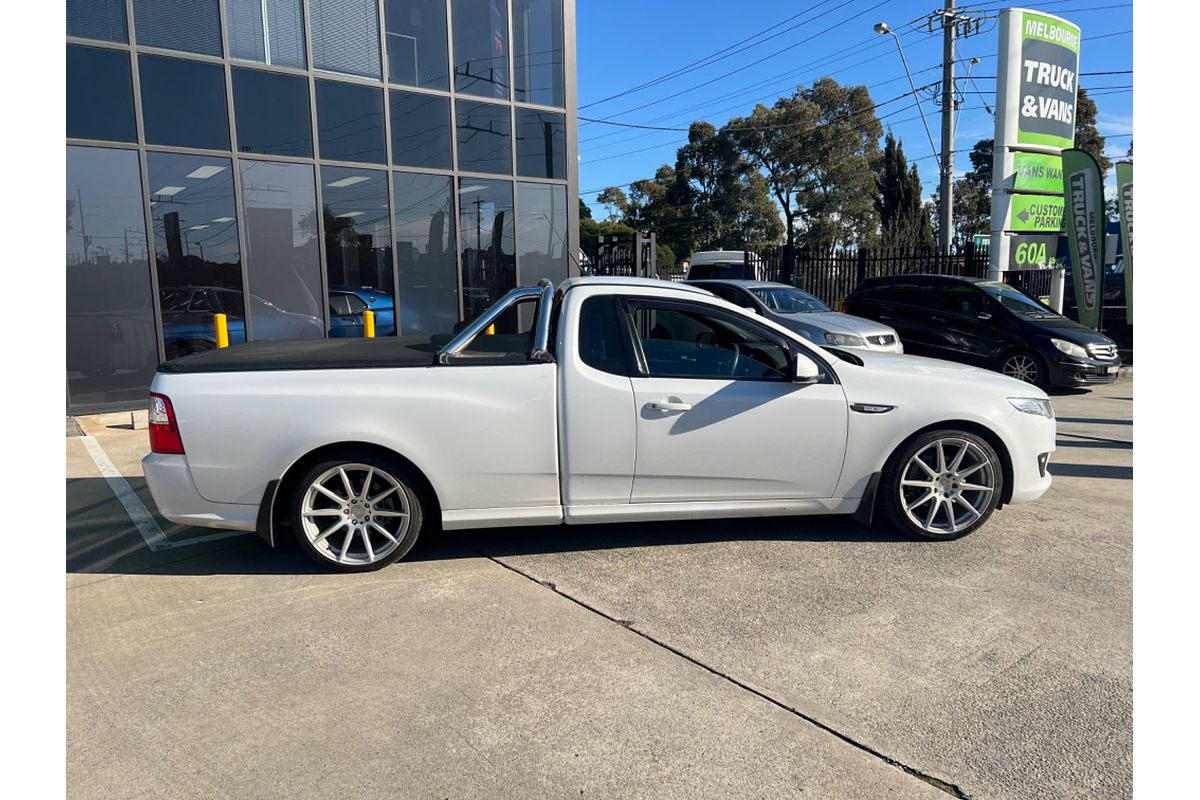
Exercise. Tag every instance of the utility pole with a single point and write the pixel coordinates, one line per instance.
(946, 222)
(954, 24)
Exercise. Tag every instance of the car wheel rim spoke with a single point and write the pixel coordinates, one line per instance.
(1023, 368)
(373, 510)
(941, 500)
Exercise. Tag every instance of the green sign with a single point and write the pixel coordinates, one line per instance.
(1031, 213)
(1083, 188)
(1048, 70)
(1036, 250)
(1125, 203)
(1037, 172)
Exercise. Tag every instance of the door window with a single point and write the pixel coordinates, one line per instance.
(960, 298)
(600, 336)
(688, 342)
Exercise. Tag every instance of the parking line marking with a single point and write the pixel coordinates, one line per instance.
(142, 519)
(152, 534)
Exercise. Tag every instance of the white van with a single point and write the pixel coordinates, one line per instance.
(725, 264)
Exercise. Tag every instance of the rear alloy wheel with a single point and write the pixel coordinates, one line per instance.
(942, 485)
(356, 516)
(1024, 367)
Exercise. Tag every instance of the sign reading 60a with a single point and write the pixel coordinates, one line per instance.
(1036, 252)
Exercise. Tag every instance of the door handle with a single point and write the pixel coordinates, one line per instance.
(885, 316)
(938, 319)
(664, 406)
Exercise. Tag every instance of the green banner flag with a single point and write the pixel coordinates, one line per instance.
(1125, 202)
(1083, 191)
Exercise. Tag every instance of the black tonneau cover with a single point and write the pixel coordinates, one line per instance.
(303, 354)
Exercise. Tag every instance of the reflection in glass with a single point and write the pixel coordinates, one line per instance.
(345, 36)
(541, 144)
(272, 113)
(416, 43)
(420, 130)
(283, 265)
(112, 344)
(196, 250)
(481, 47)
(97, 19)
(358, 249)
(183, 102)
(193, 26)
(99, 94)
(484, 137)
(350, 122)
(538, 52)
(428, 291)
(485, 229)
(542, 232)
(266, 31)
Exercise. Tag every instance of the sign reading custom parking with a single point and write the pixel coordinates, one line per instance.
(1035, 213)
(1049, 68)
(1083, 189)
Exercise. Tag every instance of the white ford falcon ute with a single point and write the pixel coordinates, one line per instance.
(607, 399)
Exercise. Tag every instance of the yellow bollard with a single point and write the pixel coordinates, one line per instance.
(369, 324)
(490, 330)
(221, 326)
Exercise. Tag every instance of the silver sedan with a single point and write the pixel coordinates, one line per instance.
(806, 315)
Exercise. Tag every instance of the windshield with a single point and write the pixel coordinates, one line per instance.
(788, 301)
(1016, 302)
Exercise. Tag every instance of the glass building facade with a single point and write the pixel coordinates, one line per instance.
(292, 163)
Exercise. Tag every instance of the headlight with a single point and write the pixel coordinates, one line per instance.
(844, 339)
(1033, 405)
(1070, 348)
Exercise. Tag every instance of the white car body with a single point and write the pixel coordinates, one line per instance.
(541, 442)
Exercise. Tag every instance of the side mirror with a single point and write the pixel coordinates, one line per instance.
(804, 370)
(984, 315)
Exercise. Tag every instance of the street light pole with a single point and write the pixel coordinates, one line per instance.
(882, 27)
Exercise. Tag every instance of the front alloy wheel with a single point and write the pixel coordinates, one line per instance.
(356, 516)
(943, 485)
(1023, 367)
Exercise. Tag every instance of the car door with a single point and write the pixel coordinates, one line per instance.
(718, 417)
(905, 306)
(968, 329)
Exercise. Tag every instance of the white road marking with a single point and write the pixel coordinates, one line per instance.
(142, 519)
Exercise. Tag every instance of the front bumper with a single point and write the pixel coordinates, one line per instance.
(1031, 443)
(1065, 371)
(171, 486)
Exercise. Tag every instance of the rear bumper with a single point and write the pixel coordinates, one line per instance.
(171, 486)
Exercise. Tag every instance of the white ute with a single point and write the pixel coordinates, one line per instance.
(609, 399)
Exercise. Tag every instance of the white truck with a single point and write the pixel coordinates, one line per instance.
(609, 399)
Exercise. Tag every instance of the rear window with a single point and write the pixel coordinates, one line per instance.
(726, 270)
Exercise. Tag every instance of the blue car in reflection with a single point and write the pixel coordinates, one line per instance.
(188, 317)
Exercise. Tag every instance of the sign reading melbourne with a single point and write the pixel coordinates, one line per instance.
(1048, 71)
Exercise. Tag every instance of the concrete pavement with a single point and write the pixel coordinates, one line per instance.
(730, 658)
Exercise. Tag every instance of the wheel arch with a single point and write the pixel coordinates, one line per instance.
(277, 502)
(983, 432)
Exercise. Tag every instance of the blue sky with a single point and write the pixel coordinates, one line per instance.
(623, 43)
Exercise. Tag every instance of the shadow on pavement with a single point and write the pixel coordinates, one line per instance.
(1091, 471)
(101, 539)
(1091, 421)
(1110, 444)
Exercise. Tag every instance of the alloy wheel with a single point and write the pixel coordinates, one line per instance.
(947, 486)
(355, 514)
(1022, 367)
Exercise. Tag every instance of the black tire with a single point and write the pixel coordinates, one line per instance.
(1010, 362)
(895, 497)
(355, 545)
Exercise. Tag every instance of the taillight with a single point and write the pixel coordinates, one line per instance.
(164, 433)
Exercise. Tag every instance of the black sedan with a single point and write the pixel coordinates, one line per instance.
(987, 324)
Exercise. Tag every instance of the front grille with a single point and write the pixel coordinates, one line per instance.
(883, 339)
(1106, 352)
